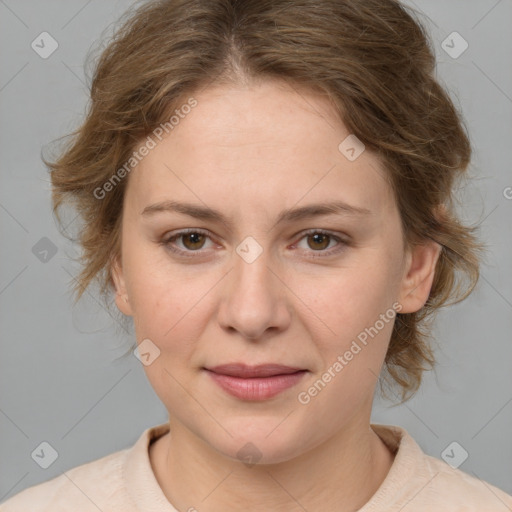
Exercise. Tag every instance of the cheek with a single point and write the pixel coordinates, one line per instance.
(171, 308)
(351, 359)
(353, 298)
(170, 312)
(355, 306)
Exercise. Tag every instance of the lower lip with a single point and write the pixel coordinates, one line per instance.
(257, 388)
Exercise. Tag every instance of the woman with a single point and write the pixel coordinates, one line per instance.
(267, 189)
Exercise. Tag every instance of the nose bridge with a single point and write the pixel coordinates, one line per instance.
(252, 274)
(255, 299)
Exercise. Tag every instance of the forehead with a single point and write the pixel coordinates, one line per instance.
(267, 144)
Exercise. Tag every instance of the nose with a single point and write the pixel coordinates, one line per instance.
(254, 299)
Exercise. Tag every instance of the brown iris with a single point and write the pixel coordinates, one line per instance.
(320, 241)
(193, 240)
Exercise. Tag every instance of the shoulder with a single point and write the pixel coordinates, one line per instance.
(116, 482)
(93, 486)
(462, 491)
(419, 482)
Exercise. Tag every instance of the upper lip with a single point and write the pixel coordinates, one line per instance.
(246, 371)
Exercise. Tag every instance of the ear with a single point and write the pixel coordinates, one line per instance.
(119, 282)
(418, 275)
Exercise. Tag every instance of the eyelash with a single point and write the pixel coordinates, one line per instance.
(194, 254)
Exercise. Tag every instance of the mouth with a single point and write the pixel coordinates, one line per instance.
(260, 382)
(244, 371)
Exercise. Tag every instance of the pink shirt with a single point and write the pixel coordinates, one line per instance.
(124, 482)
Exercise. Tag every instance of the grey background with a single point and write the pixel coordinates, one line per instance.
(60, 379)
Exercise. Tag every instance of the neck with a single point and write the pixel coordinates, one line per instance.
(340, 474)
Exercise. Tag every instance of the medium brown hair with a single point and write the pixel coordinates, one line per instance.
(371, 58)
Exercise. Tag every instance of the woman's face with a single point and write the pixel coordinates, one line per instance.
(266, 275)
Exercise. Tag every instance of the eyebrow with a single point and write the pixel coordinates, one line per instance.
(286, 216)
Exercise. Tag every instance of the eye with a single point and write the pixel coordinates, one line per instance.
(190, 240)
(194, 242)
(319, 241)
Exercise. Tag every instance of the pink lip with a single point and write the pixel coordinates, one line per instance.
(255, 382)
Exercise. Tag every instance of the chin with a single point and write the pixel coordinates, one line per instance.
(258, 441)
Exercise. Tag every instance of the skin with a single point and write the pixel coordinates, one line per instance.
(250, 152)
